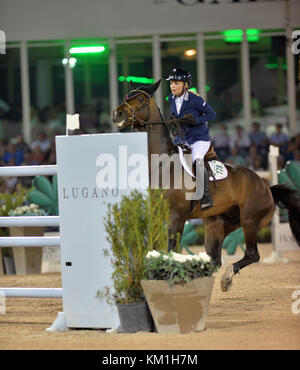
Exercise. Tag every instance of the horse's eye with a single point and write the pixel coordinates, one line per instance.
(141, 98)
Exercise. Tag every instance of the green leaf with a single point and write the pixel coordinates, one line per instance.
(37, 197)
(42, 184)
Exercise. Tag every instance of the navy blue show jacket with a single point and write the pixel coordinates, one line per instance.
(202, 112)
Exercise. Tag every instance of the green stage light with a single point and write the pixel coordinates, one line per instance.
(87, 49)
(140, 80)
(236, 36)
(233, 35)
(252, 35)
(274, 66)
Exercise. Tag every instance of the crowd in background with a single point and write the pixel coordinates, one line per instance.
(251, 149)
(238, 148)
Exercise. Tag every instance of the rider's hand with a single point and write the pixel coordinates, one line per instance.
(187, 119)
(172, 118)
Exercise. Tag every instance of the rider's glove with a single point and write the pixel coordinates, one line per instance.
(172, 117)
(187, 119)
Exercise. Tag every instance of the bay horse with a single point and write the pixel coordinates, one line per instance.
(243, 199)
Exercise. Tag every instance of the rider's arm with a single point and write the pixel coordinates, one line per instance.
(207, 113)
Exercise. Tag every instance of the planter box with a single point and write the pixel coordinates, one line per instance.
(28, 260)
(134, 317)
(181, 308)
(1, 263)
(9, 265)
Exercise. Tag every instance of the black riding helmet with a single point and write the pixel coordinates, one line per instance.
(180, 75)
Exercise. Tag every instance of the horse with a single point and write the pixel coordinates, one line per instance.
(243, 199)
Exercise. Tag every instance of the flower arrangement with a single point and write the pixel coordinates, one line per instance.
(31, 210)
(177, 268)
(136, 225)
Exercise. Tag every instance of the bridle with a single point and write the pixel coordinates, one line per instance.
(134, 119)
(142, 124)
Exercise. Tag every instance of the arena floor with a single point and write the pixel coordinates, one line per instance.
(255, 314)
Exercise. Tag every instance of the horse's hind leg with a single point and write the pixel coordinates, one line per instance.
(214, 236)
(251, 256)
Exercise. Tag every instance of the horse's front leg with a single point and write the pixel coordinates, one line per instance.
(176, 226)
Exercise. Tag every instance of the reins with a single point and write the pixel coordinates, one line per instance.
(134, 119)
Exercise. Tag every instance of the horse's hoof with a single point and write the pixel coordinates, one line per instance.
(226, 285)
(226, 281)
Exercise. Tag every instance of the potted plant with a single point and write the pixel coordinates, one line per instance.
(138, 224)
(178, 288)
(9, 201)
(27, 260)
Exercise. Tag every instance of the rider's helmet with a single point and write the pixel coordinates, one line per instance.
(180, 75)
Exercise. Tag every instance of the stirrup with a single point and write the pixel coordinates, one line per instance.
(206, 206)
(208, 203)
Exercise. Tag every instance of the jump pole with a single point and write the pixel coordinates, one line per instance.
(276, 256)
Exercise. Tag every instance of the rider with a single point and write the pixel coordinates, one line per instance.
(193, 113)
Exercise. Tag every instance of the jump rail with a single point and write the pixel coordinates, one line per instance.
(30, 241)
(20, 171)
(32, 292)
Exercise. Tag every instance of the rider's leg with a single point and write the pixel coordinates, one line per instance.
(199, 149)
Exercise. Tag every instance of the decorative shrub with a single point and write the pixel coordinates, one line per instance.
(138, 224)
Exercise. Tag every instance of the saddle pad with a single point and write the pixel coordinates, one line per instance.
(219, 170)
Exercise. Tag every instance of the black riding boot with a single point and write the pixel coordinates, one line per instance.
(199, 174)
(206, 201)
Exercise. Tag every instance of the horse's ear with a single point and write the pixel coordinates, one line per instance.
(132, 85)
(151, 89)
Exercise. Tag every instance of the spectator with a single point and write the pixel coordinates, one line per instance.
(280, 139)
(257, 137)
(38, 156)
(293, 147)
(11, 181)
(20, 143)
(241, 141)
(28, 161)
(42, 142)
(221, 142)
(12, 154)
(51, 155)
(235, 158)
(255, 163)
(259, 140)
(88, 118)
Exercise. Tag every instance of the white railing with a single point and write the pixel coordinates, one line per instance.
(30, 241)
(29, 221)
(28, 170)
(32, 292)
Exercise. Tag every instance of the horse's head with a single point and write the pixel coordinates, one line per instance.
(135, 110)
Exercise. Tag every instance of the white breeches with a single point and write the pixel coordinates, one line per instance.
(199, 149)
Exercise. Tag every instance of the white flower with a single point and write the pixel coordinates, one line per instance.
(153, 253)
(178, 257)
(192, 257)
(204, 257)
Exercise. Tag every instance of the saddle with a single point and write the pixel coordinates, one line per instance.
(210, 154)
(209, 160)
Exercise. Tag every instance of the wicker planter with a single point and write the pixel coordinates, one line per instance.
(28, 260)
(181, 308)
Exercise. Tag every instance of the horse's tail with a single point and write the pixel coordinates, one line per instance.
(288, 198)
